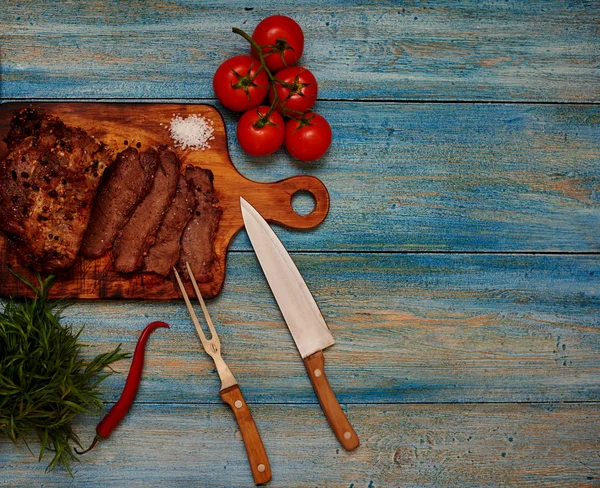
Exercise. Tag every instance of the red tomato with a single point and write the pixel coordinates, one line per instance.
(239, 85)
(282, 42)
(307, 138)
(259, 135)
(297, 90)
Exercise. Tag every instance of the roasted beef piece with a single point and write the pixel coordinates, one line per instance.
(137, 236)
(197, 241)
(48, 181)
(164, 253)
(122, 188)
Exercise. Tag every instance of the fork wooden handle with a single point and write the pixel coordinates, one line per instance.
(335, 415)
(259, 462)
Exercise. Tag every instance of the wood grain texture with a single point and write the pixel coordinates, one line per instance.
(437, 50)
(451, 177)
(123, 125)
(448, 177)
(345, 433)
(255, 449)
(458, 267)
(408, 328)
(467, 445)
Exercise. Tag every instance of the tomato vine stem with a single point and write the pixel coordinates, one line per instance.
(263, 65)
(258, 48)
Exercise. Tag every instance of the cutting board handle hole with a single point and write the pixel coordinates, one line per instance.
(303, 202)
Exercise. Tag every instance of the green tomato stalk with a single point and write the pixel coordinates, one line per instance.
(264, 119)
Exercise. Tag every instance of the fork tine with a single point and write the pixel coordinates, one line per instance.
(191, 309)
(202, 304)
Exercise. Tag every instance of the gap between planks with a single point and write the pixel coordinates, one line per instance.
(464, 253)
(345, 405)
(341, 100)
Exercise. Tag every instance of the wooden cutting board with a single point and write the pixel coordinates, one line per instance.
(144, 125)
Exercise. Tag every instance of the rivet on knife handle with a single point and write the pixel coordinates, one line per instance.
(333, 411)
(259, 462)
(301, 314)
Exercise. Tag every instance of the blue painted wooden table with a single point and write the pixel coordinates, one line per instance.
(458, 269)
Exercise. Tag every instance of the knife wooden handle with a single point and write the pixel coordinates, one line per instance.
(259, 462)
(331, 407)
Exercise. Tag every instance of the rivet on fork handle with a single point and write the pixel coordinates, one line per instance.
(230, 391)
(257, 455)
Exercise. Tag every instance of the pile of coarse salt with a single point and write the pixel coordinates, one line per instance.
(193, 132)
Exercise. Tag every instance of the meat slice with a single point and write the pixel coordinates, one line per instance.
(197, 241)
(123, 187)
(137, 236)
(164, 254)
(48, 181)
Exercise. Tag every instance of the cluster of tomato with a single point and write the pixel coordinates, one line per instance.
(243, 82)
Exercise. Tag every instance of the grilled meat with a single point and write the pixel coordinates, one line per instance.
(123, 188)
(197, 241)
(164, 254)
(49, 179)
(137, 235)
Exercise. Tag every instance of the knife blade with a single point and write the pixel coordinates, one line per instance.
(301, 314)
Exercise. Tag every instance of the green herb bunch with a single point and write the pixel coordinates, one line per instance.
(44, 380)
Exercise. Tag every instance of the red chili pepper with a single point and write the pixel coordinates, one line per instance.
(120, 409)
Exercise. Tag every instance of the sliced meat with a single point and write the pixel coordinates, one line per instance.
(49, 179)
(164, 254)
(197, 241)
(137, 236)
(123, 188)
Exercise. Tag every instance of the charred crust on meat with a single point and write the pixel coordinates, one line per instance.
(33, 163)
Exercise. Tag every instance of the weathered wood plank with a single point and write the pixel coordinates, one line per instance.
(470, 445)
(408, 328)
(450, 50)
(457, 177)
(448, 177)
(455, 331)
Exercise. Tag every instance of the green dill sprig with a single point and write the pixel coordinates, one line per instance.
(45, 382)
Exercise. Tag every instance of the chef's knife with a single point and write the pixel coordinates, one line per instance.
(302, 315)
